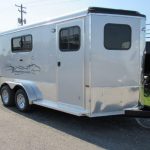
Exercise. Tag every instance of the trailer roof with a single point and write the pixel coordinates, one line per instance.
(114, 11)
(77, 14)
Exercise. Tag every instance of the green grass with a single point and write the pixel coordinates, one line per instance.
(145, 97)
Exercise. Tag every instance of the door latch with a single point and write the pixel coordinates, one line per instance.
(58, 63)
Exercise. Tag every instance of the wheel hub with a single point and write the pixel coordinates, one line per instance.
(21, 101)
(5, 96)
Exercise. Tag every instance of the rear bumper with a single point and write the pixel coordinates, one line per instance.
(138, 112)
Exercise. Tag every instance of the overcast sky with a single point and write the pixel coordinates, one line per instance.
(38, 10)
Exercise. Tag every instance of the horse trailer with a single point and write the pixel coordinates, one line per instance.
(87, 63)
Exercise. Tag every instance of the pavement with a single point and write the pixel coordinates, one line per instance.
(46, 129)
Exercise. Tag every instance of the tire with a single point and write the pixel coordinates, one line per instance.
(22, 101)
(7, 96)
(144, 122)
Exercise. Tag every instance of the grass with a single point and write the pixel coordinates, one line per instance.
(145, 96)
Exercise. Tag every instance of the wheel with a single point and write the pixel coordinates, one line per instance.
(7, 96)
(22, 101)
(144, 122)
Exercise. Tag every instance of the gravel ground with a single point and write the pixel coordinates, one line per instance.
(45, 129)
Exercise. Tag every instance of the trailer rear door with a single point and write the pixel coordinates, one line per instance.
(115, 68)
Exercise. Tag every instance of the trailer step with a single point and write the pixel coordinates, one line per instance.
(67, 108)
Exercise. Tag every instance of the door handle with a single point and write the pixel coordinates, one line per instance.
(58, 63)
(20, 59)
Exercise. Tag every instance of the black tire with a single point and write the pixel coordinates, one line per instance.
(144, 122)
(22, 101)
(8, 100)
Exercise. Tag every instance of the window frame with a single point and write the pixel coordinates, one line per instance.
(19, 51)
(119, 49)
(70, 50)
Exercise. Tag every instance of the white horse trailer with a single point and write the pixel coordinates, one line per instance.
(86, 64)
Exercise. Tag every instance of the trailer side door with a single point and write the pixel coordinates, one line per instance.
(70, 62)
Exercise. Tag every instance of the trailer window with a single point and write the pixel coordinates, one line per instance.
(117, 37)
(22, 44)
(69, 39)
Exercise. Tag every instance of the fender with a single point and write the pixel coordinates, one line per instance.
(30, 88)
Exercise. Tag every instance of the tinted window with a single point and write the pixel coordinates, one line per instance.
(148, 47)
(23, 43)
(117, 37)
(69, 39)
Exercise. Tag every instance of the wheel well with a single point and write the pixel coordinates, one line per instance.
(17, 87)
(3, 85)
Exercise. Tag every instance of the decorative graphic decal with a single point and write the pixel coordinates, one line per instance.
(30, 69)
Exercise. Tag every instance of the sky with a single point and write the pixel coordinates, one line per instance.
(40, 10)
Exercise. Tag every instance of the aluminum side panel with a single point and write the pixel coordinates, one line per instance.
(113, 99)
(115, 74)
